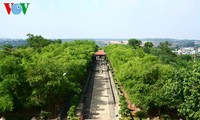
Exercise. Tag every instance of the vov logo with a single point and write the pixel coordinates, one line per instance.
(16, 8)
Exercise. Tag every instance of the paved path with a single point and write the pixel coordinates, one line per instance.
(100, 99)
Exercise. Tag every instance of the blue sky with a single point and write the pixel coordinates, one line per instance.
(178, 19)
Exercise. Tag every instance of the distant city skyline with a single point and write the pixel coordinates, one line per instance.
(177, 19)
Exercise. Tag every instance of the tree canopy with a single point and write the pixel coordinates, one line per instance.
(38, 42)
(135, 43)
(45, 73)
(157, 80)
(148, 44)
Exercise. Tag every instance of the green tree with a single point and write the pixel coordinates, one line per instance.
(59, 41)
(135, 43)
(148, 44)
(164, 53)
(140, 114)
(72, 112)
(164, 45)
(190, 107)
(38, 42)
(159, 80)
(11, 74)
(140, 74)
(43, 75)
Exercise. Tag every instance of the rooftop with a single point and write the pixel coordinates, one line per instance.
(100, 52)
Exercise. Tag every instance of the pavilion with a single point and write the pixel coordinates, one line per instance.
(100, 55)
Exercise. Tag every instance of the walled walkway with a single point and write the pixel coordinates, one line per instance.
(100, 101)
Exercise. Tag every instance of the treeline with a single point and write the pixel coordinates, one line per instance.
(157, 80)
(43, 73)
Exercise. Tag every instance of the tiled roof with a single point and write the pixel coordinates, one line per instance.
(100, 52)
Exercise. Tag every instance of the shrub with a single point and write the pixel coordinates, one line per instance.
(44, 115)
(140, 114)
(72, 112)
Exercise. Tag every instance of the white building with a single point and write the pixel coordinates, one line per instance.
(187, 50)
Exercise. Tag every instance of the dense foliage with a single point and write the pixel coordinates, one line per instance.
(135, 43)
(156, 79)
(44, 73)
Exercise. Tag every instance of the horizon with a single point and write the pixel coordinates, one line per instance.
(101, 39)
